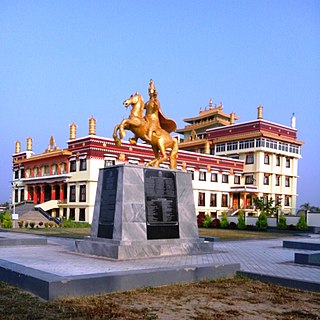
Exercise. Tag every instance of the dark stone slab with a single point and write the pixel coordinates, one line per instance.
(49, 287)
(290, 283)
(301, 245)
(312, 258)
(23, 242)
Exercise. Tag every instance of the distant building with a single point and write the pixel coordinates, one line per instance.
(228, 162)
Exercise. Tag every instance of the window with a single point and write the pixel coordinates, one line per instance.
(245, 144)
(278, 200)
(109, 162)
(63, 168)
(249, 158)
(214, 177)
(21, 195)
(64, 212)
(46, 170)
(249, 179)
(220, 147)
(287, 182)
(72, 196)
(224, 200)
(16, 174)
(21, 173)
(225, 178)
(260, 142)
(213, 199)
(202, 175)
(277, 180)
(265, 199)
(201, 199)
(16, 196)
(288, 162)
(237, 179)
(192, 174)
(82, 214)
(54, 169)
(73, 165)
(287, 201)
(266, 180)
(232, 146)
(266, 159)
(72, 214)
(82, 197)
(278, 161)
(83, 164)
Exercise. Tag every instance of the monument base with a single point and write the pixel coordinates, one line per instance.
(143, 212)
(142, 249)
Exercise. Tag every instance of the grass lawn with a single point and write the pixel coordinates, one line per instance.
(227, 234)
(223, 234)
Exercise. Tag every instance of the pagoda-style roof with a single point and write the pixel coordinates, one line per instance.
(45, 156)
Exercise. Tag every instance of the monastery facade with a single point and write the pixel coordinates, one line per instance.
(230, 164)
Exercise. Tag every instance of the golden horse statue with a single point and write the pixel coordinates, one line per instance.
(148, 129)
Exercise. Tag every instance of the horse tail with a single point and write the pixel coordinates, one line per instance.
(173, 154)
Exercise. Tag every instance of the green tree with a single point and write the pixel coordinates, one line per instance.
(206, 221)
(224, 221)
(241, 221)
(282, 222)
(262, 222)
(268, 207)
(302, 224)
(6, 220)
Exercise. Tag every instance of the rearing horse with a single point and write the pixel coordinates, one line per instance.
(159, 139)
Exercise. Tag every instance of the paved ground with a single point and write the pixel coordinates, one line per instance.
(263, 257)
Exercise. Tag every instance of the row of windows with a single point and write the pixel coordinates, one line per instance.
(72, 214)
(249, 179)
(82, 165)
(42, 171)
(82, 193)
(278, 200)
(260, 142)
(213, 200)
(250, 159)
(214, 177)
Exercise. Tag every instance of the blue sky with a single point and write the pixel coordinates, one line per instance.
(64, 61)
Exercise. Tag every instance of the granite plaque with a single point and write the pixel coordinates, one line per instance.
(108, 203)
(161, 204)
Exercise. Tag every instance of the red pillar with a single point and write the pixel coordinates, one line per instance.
(35, 194)
(53, 193)
(41, 193)
(61, 192)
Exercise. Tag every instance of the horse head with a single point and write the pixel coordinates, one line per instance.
(134, 99)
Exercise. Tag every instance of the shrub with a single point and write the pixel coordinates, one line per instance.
(302, 224)
(241, 221)
(68, 223)
(282, 222)
(26, 224)
(7, 220)
(51, 224)
(224, 221)
(262, 222)
(206, 221)
(20, 224)
(46, 225)
(215, 223)
(40, 224)
(232, 225)
(32, 224)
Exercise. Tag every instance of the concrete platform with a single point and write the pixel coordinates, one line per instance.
(54, 270)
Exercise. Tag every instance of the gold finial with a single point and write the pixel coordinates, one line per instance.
(152, 89)
(18, 146)
(260, 116)
(92, 126)
(29, 144)
(73, 131)
(210, 104)
(232, 118)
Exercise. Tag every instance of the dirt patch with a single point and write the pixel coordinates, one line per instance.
(236, 298)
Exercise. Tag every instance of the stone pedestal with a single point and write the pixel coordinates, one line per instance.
(143, 212)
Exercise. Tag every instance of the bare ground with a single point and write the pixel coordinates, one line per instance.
(236, 298)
